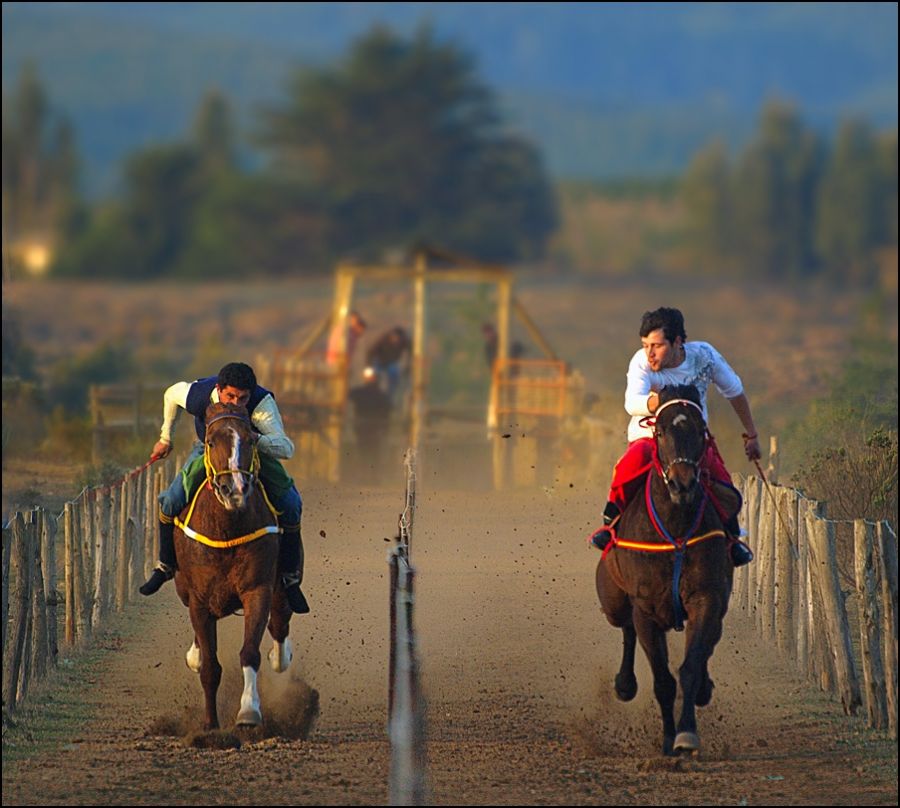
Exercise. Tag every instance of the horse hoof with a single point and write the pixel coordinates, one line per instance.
(687, 742)
(248, 717)
(704, 695)
(626, 687)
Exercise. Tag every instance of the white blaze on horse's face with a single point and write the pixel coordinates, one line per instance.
(681, 446)
(235, 485)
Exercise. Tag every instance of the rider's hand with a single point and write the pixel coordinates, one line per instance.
(160, 450)
(751, 448)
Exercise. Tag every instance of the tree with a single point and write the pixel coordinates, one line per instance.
(707, 194)
(40, 167)
(401, 142)
(774, 198)
(851, 223)
(214, 133)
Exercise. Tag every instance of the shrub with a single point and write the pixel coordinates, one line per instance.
(857, 477)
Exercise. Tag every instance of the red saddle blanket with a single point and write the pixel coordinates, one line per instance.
(631, 471)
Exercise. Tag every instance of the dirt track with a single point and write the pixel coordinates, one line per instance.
(517, 666)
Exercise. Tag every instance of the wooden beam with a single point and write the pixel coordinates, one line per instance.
(532, 328)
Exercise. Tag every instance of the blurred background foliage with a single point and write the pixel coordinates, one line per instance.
(400, 141)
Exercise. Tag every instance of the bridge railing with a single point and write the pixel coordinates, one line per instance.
(100, 547)
(824, 593)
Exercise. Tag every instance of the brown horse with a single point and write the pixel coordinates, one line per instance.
(669, 564)
(226, 542)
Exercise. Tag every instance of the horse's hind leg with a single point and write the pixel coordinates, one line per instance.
(281, 653)
(210, 670)
(256, 607)
(703, 632)
(653, 641)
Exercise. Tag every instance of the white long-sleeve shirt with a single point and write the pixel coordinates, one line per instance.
(702, 364)
(265, 417)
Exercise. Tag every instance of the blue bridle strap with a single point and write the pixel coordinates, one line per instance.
(680, 544)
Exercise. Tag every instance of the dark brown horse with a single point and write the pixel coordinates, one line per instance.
(226, 541)
(669, 565)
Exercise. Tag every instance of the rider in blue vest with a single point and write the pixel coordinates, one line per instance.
(235, 384)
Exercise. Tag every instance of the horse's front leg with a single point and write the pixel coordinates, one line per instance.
(210, 670)
(281, 653)
(704, 630)
(256, 605)
(653, 641)
(617, 608)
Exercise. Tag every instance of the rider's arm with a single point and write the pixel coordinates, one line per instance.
(751, 438)
(273, 441)
(174, 401)
(637, 390)
(729, 384)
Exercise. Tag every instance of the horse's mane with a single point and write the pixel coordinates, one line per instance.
(217, 407)
(674, 391)
(220, 407)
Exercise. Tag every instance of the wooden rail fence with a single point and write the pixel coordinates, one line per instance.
(824, 593)
(101, 547)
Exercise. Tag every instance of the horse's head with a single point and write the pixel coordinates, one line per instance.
(680, 441)
(230, 454)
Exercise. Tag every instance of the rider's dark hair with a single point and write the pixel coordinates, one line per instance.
(237, 375)
(671, 321)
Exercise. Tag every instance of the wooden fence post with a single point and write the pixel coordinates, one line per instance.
(39, 642)
(48, 558)
(101, 559)
(80, 588)
(765, 596)
(867, 574)
(21, 613)
(823, 562)
(7, 555)
(68, 527)
(785, 528)
(806, 510)
(122, 542)
(887, 544)
(751, 523)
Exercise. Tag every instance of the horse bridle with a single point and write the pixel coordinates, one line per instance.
(664, 472)
(212, 474)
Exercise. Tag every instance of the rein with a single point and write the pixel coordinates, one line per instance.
(224, 543)
(212, 474)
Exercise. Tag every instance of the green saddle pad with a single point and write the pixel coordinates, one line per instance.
(272, 474)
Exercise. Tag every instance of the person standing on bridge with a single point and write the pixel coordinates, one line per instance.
(235, 384)
(667, 358)
(389, 356)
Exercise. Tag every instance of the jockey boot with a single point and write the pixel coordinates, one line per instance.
(740, 552)
(165, 569)
(604, 535)
(289, 563)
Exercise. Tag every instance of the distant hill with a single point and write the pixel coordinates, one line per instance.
(607, 90)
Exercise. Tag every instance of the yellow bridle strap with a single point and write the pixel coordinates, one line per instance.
(658, 547)
(211, 472)
(222, 543)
